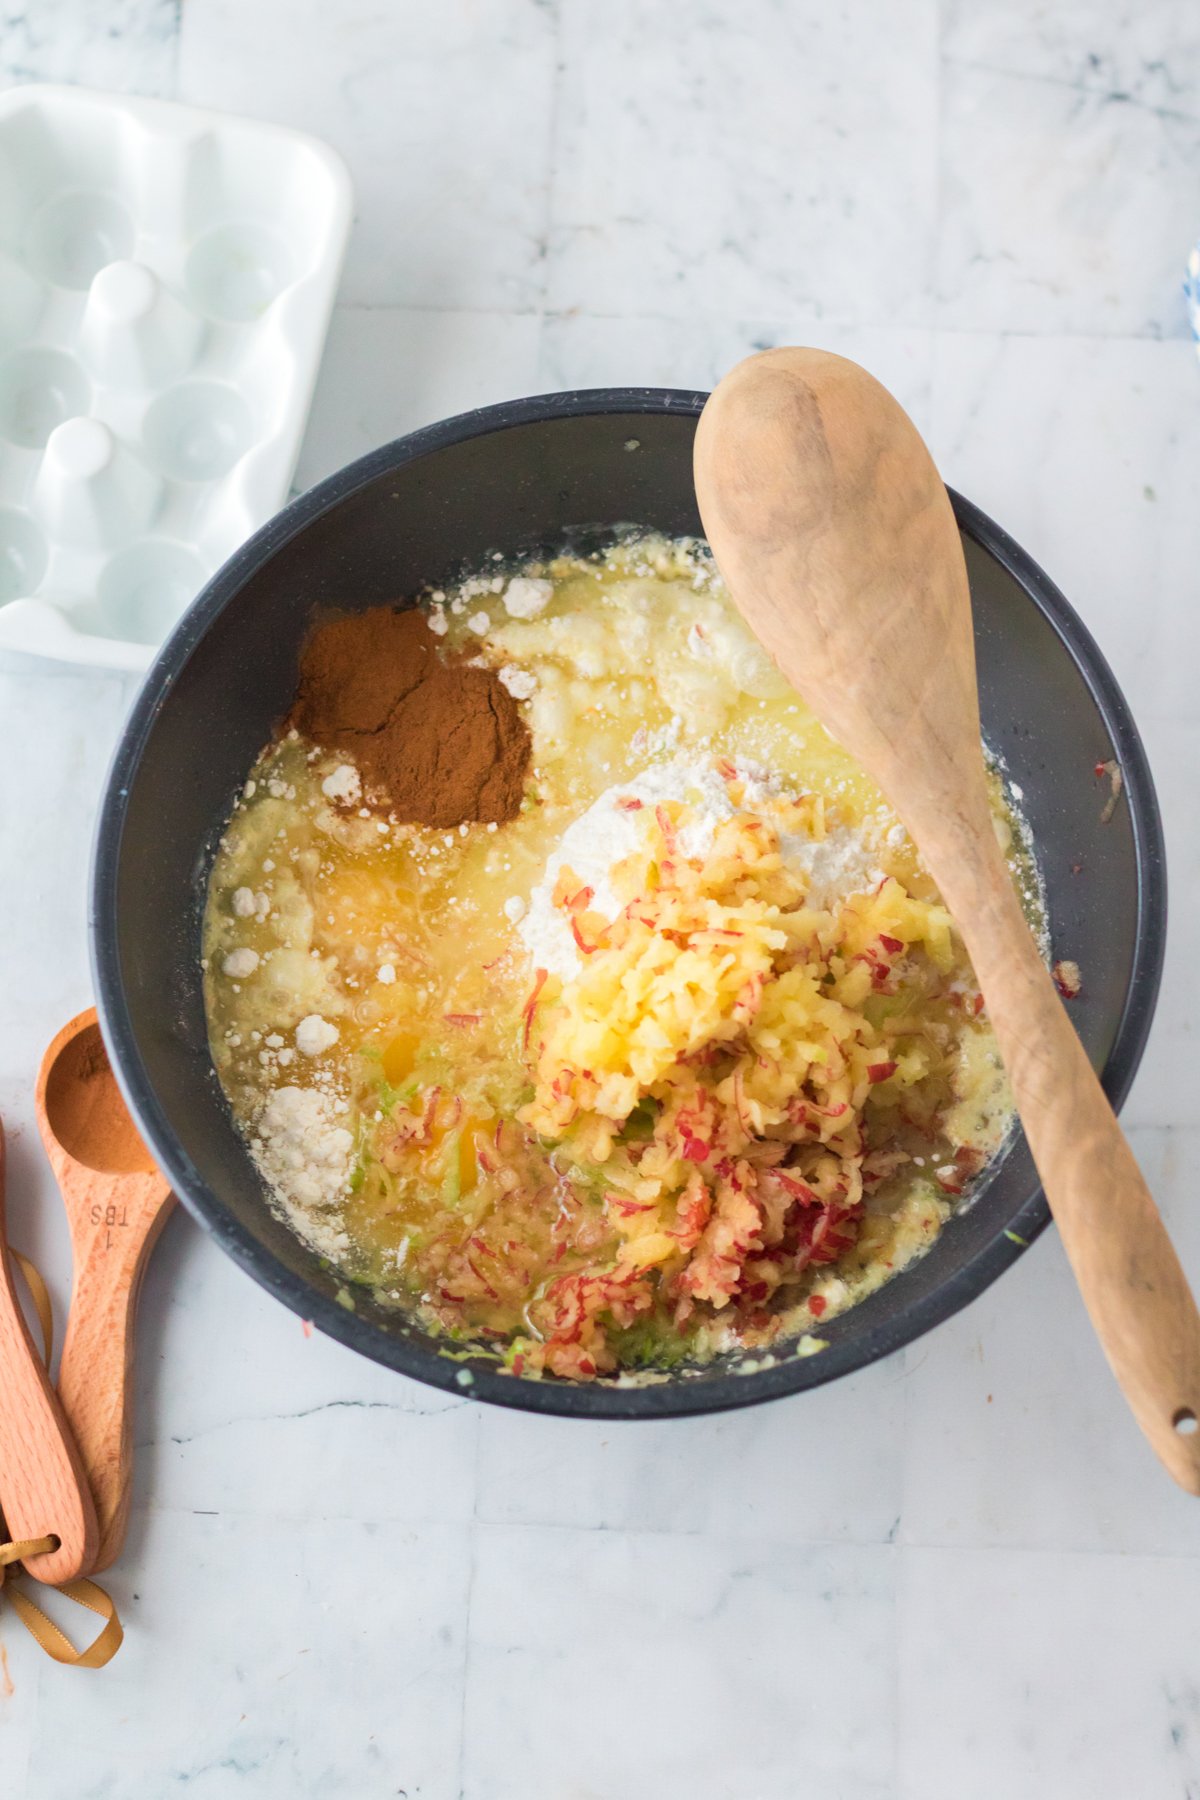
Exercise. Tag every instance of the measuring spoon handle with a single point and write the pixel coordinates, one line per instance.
(95, 1376)
(43, 1485)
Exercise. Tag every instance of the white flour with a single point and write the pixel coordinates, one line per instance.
(607, 832)
(315, 1035)
(527, 597)
(521, 683)
(305, 1155)
(842, 863)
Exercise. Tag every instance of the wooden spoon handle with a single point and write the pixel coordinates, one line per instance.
(1128, 1273)
(43, 1486)
(95, 1375)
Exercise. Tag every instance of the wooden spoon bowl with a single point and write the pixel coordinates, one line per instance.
(116, 1203)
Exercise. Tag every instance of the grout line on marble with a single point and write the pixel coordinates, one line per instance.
(553, 136)
(894, 1545)
(901, 1591)
(896, 1587)
(1113, 96)
(548, 315)
(896, 1535)
(176, 47)
(933, 271)
(472, 1567)
(540, 313)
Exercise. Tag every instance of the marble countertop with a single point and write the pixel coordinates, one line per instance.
(959, 1575)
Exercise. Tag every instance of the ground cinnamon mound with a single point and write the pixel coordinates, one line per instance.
(436, 742)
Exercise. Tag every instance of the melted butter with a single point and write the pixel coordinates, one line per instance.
(621, 682)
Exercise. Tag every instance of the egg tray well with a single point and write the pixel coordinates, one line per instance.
(166, 280)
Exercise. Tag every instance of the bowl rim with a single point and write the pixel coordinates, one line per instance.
(676, 1398)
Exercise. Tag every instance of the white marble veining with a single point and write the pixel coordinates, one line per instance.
(679, 1664)
(1047, 1674)
(1070, 141)
(1098, 185)
(336, 1670)
(130, 45)
(423, 364)
(778, 155)
(958, 1575)
(1116, 524)
(444, 114)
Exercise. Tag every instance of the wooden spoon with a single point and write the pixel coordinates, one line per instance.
(116, 1204)
(837, 540)
(43, 1486)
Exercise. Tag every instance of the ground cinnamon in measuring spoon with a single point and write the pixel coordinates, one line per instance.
(435, 741)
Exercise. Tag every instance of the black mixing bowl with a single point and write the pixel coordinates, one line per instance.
(519, 478)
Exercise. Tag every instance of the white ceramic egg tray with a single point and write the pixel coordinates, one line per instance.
(166, 280)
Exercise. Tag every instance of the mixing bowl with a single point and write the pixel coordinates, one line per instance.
(534, 475)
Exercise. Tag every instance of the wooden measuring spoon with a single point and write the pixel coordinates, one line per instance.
(43, 1486)
(835, 535)
(116, 1203)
